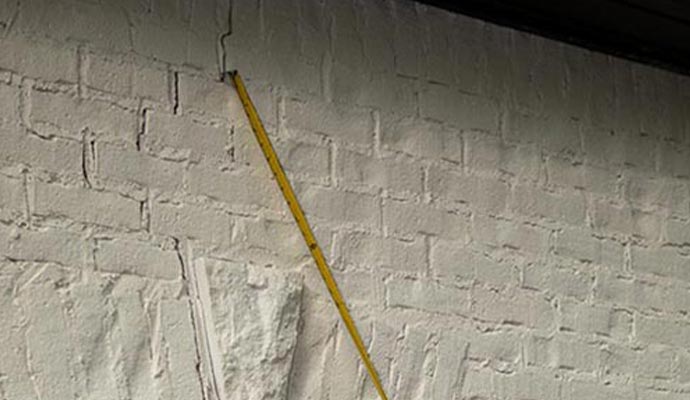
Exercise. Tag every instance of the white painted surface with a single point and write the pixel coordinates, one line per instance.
(508, 217)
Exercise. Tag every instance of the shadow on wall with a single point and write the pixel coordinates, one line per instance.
(178, 32)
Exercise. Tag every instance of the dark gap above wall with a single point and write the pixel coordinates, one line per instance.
(655, 32)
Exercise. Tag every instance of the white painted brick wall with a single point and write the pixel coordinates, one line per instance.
(509, 217)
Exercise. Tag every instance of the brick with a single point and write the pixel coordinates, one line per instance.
(584, 318)
(563, 352)
(651, 330)
(600, 181)
(421, 138)
(513, 306)
(656, 362)
(663, 261)
(358, 287)
(138, 258)
(57, 63)
(525, 238)
(453, 260)
(596, 391)
(9, 98)
(151, 83)
(410, 218)
(528, 385)
(182, 138)
(56, 155)
(305, 161)
(12, 198)
(648, 190)
(621, 325)
(611, 288)
(581, 245)
(341, 207)
(593, 179)
(488, 153)
(347, 124)
(555, 134)
(87, 206)
(595, 319)
(571, 283)
(599, 143)
(388, 173)
(127, 77)
(446, 104)
(181, 220)
(619, 361)
(376, 251)
(380, 90)
(109, 75)
(639, 294)
(47, 245)
(568, 208)
(494, 273)
(212, 97)
(624, 220)
(273, 240)
(59, 114)
(636, 150)
(427, 296)
(562, 282)
(677, 232)
(133, 166)
(241, 187)
(497, 348)
(485, 194)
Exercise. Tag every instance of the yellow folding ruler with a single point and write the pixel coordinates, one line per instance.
(301, 219)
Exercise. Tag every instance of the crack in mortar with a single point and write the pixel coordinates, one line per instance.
(176, 93)
(88, 158)
(142, 127)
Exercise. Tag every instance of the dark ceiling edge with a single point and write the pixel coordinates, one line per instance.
(609, 42)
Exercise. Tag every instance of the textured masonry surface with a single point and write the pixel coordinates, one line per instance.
(508, 217)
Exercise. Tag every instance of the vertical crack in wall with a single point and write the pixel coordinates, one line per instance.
(176, 92)
(207, 362)
(142, 127)
(220, 49)
(198, 354)
(88, 158)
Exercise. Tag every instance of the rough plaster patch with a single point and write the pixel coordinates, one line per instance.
(255, 314)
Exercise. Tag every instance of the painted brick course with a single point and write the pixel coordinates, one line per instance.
(509, 217)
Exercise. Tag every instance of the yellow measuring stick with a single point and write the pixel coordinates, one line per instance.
(304, 227)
